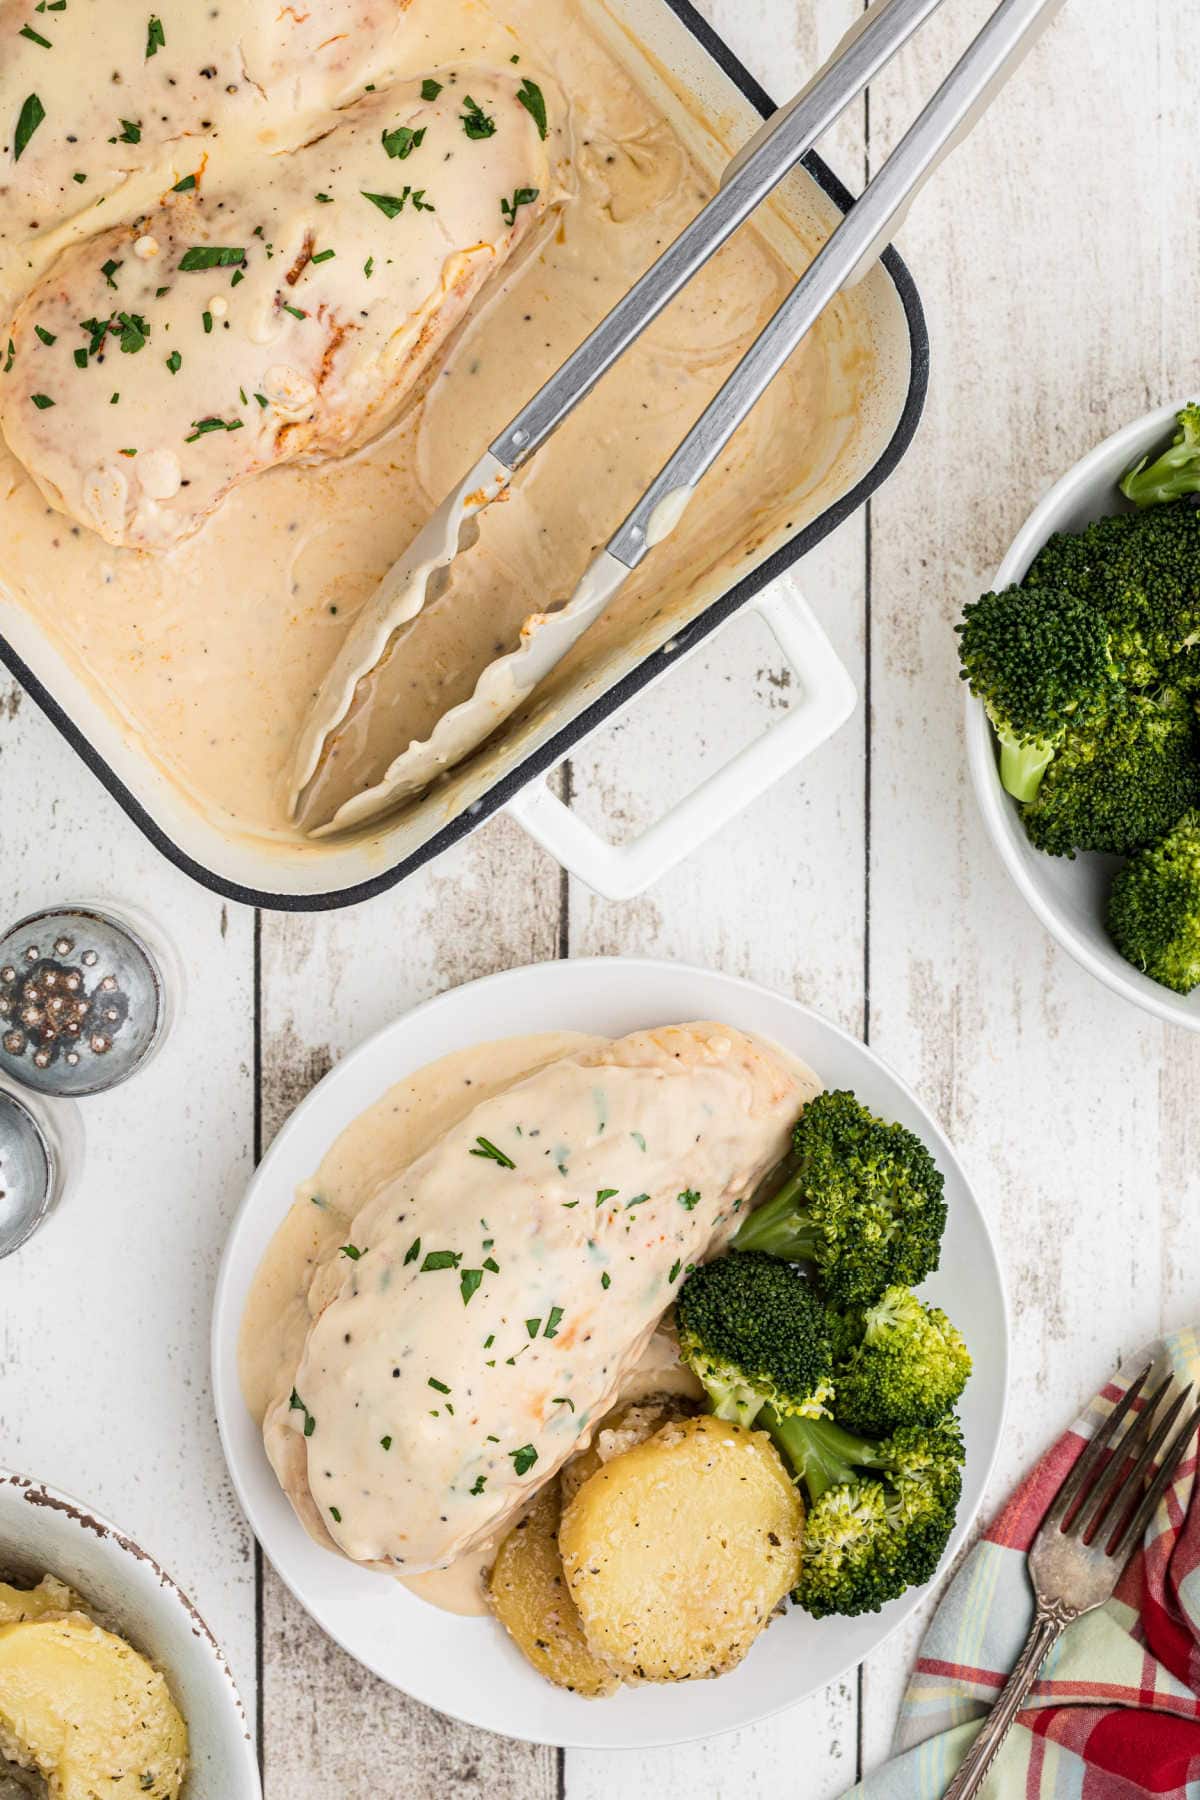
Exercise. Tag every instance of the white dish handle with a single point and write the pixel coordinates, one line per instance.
(825, 699)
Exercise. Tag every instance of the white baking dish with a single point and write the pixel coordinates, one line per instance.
(715, 105)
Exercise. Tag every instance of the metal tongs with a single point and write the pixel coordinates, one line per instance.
(423, 572)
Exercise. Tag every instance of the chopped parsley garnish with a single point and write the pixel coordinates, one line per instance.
(155, 37)
(12, 351)
(689, 1199)
(475, 122)
(403, 141)
(78, 177)
(131, 132)
(35, 37)
(335, 1515)
(638, 1200)
(206, 316)
(296, 312)
(134, 332)
(606, 1280)
(369, 267)
(390, 205)
(533, 1326)
(534, 101)
(81, 359)
(108, 270)
(554, 1321)
(522, 197)
(322, 200)
(200, 427)
(638, 1139)
(175, 363)
(262, 399)
(385, 1443)
(439, 1385)
(41, 401)
(211, 256)
(605, 1194)
(524, 1458)
(28, 119)
(490, 1263)
(413, 1251)
(441, 1259)
(296, 1404)
(324, 256)
(185, 186)
(675, 1268)
(47, 337)
(480, 1484)
(489, 1341)
(485, 1148)
(430, 89)
(568, 1204)
(240, 275)
(563, 1400)
(352, 1251)
(469, 1282)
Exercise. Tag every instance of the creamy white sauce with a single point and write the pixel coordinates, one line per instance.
(212, 652)
(713, 1110)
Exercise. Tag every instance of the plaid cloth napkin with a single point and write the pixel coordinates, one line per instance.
(1116, 1713)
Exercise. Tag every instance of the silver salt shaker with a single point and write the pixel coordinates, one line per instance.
(83, 1002)
(31, 1171)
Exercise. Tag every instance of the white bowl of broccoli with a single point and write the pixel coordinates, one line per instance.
(1082, 730)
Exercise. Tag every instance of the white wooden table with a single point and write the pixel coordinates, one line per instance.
(1059, 260)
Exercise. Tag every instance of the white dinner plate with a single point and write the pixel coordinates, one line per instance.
(467, 1667)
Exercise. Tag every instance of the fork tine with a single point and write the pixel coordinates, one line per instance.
(1091, 1456)
(1132, 1533)
(1129, 1491)
(1096, 1504)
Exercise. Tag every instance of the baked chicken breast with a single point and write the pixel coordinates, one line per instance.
(162, 362)
(496, 1294)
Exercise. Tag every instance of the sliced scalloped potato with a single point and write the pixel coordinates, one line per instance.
(89, 1713)
(530, 1597)
(678, 1552)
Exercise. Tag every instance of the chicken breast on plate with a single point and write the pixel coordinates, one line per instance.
(497, 1293)
(161, 363)
(92, 90)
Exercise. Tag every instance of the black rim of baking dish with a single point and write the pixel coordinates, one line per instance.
(539, 761)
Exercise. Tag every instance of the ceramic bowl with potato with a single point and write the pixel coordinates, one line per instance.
(107, 1640)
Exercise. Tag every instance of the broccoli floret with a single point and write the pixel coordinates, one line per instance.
(757, 1335)
(753, 1329)
(1038, 659)
(1152, 601)
(1080, 562)
(1176, 472)
(884, 1525)
(908, 1367)
(1154, 908)
(860, 1198)
(1120, 785)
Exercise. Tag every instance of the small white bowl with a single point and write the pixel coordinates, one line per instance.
(1070, 897)
(45, 1532)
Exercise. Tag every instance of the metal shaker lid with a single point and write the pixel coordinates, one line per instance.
(27, 1173)
(81, 1002)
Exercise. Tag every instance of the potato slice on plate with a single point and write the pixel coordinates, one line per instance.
(530, 1597)
(678, 1552)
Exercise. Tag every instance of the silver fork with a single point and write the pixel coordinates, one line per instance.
(1086, 1539)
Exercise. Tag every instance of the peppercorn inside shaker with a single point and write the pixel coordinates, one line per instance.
(82, 1002)
(28, 1173)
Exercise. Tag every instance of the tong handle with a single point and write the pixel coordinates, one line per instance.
(754, 173)
(960, 101)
